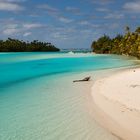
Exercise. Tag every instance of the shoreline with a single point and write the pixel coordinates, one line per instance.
(118, 111)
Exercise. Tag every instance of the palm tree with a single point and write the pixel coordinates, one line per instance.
(127, 29)
(137, 30)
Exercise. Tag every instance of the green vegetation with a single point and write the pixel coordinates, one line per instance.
(14, 45)
(128, 44)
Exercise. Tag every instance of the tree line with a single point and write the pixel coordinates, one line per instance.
(15, 45)
(127, 44)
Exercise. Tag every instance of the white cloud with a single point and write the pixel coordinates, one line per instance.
(65, 20)
(12, 25)
(18, 28)
(12, 0)
(114, 26)
(73, 10)
(84, 23)
(95, 26)
(48, 8)
(132, 6)
(114, 16)
(27, 34)
(10, 31)
(57, 14)
(102, 2)
(59, 35)
(7, 6)
(52, 11)
(88, 24)
(32, 25)
(102, 9)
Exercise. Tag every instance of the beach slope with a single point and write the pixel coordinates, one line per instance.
(117, 103)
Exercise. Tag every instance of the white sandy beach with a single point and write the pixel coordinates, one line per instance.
(117, 103)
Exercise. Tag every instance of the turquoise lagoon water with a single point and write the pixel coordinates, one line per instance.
(39, 101)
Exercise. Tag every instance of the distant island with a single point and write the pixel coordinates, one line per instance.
(15, 45)
(127, 44)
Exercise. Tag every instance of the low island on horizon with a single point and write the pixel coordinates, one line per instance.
(15, 45)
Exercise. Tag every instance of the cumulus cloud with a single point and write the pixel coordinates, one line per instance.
(18, 28)
(32, 25)
(48, 8)
(114, 16)
(10, 31)
(11, 5)
(65, 20)
(7, 6)
(27, 34)
(51, 11)
(132, 6)
(12, 0)
(56, 13)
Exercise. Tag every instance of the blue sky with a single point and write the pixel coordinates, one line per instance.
(67, 23)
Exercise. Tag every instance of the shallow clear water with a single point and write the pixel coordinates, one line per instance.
(39, 101)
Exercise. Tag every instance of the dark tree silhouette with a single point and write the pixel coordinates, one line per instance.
(14, 45)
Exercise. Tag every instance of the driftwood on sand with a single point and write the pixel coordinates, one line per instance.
(85, 79)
